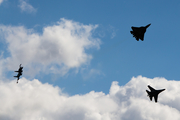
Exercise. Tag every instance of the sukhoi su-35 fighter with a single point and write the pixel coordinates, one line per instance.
(138, 32)
(19, 72)
(153, 93)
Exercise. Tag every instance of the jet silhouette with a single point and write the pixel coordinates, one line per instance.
(154, 93)
(19, 72)
(138, 32)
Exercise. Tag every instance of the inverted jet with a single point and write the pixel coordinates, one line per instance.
(138, 32)
(153, 93)
(19, 72)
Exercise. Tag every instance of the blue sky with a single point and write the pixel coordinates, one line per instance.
(120, 56)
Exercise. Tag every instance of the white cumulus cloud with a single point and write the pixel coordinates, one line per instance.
(32, 100)
(59, 48)
(26, 7)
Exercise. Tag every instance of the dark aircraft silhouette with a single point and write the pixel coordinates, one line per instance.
(154, 93)
(138, 32)
(19, 72)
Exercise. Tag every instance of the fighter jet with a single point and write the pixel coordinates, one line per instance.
(154, 93)
(19, 72)
(138, 32)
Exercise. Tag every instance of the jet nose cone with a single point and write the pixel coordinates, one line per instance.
(148, 25)
(163, 90)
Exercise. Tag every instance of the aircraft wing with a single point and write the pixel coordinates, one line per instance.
(17, 77)
(152, 89)
(135, 35)
(155, 98)
(16, 71)
(142, 37)
(135, 28)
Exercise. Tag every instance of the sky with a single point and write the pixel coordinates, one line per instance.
(81, 62)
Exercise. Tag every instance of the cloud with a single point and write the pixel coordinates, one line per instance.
(59, 48)
(1, 1)
(106, 31)
(25, 7)
(31, 100)
(88, 74)
(113, 31)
